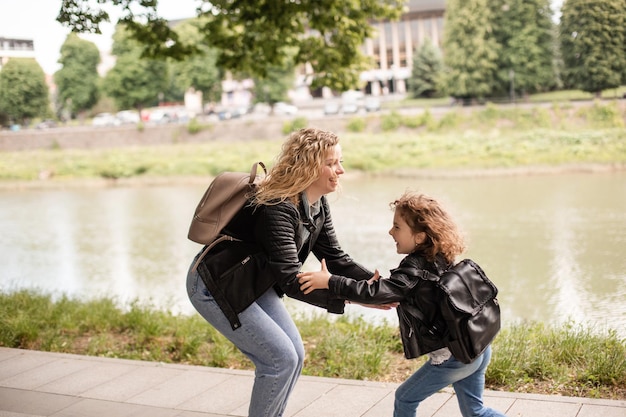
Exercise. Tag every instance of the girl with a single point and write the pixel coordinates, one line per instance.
(425, 232)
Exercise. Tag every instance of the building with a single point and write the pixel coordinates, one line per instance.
(396, 42)
(15, 48)
(392, 50)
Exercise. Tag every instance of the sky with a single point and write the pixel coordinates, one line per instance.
(36, 20)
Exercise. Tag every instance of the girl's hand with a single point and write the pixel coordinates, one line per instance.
(317, 280)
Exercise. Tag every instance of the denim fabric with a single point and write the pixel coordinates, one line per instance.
(468, 381)
(268, 336)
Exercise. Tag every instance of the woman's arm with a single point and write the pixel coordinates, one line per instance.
(276, 231)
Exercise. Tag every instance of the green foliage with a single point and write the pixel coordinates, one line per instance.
(571, 358)
(333, 354)
(526, 34)
(294, 124)
(273, 87)
(23, 90)
(470, 61)
(194, 126)
(200, 70)
(427, 67)
(390, 121)
(603, 115)
(134, 82)
(570, 355)
(77, 81)
(481, 139)
(252, 37)
(450, 120)
(356, 124)
(593, 44)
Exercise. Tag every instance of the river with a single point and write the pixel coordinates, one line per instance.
(553, 244)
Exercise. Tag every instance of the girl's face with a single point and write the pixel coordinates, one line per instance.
(401, 232)
(328, 179)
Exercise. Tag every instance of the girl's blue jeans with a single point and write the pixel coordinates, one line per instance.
(268, 336)
(468, 381)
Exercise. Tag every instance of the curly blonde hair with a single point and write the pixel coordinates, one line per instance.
(424, 214)
(297, 166)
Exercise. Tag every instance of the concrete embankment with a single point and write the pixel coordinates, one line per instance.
(87, 137)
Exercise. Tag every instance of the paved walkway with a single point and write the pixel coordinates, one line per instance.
(36, 384)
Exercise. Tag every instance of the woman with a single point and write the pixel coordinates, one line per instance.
(427, 235)
(238, 285)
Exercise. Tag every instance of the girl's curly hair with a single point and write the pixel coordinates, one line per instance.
(297, 166)
(425, 214)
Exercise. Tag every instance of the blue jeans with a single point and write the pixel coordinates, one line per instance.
(468, 381)
(268, 336)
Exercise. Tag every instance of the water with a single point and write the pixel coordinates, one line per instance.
(553, 244)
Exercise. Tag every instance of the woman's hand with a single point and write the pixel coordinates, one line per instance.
(317, 280)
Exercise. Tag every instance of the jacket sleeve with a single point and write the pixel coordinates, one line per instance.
(337, 261)
(385, 290)
(276, 231)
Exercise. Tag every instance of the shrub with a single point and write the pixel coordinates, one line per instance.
(295, 124)
(356, 124)
(391, 121)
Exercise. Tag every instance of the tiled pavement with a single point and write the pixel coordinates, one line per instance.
(36, 384)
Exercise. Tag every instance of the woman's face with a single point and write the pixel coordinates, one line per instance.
(328, 179)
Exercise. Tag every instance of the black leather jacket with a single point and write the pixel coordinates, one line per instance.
(409, 285)
(271, 253)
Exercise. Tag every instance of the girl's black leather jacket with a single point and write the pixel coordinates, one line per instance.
(273, 248)
(409, 285)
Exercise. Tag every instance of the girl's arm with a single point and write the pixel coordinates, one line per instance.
(318, 280)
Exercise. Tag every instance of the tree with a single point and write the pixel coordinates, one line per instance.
(23, 90)
(526, 34)
(77, 81)
(427, 66)
(199, 71)
(593, 39)
(470, 50)
(274, 86)
(253, 36)
(134, 81)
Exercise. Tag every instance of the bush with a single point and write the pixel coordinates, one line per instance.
(295, 124)
(391, 121)
(356, 125)
(603, 115)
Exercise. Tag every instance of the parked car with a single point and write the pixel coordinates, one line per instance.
(128, 116)
(349, 107)
(162, 116)
(46, 124)
(331, 107)
(372, 104)
(105, 119)
(285, 108)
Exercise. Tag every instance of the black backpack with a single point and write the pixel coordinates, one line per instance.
(469, 306)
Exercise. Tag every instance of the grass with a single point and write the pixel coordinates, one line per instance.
(491, 137)
(531, 357)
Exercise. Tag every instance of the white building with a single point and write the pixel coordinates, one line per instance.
(15, 48)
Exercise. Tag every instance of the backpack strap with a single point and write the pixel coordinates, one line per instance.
(223, 237)
(206, 250)
(412, 310)
(253, 171)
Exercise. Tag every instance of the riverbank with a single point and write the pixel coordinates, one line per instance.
(155, 181)
(457, 142)
(531, 357)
